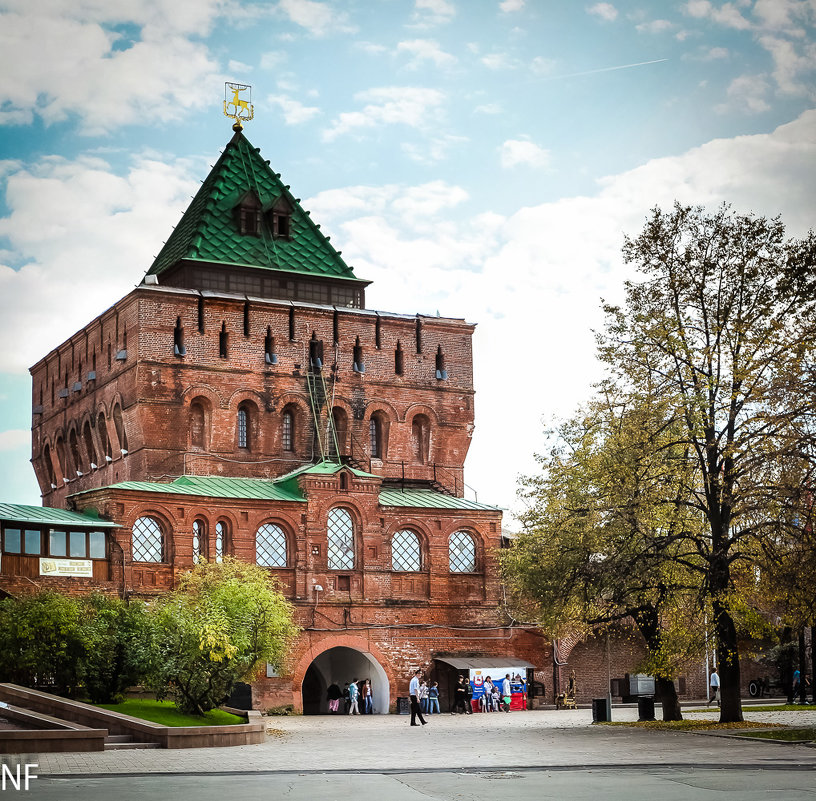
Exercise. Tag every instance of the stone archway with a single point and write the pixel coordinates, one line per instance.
(343, 661)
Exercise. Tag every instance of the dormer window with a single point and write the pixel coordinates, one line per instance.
(280, 219)
(248, 215)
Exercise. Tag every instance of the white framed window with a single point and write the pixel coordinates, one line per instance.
(147, 540)
(462, 553)
(340, 539)
(270, 546)
(405, 552)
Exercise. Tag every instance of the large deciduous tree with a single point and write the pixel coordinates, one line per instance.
(721, 325)
(222, 625)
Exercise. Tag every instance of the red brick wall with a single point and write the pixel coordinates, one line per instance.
(154, 389)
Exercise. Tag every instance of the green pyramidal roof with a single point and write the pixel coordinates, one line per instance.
(208, 231)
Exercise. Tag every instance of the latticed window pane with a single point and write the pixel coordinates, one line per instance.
(196, 541)
(462, 553)
(287, 431)
(375, 438)
(243, 440)
(147, 540)
(405, 554)
(220, 536)
(341, 540)
(270, 546)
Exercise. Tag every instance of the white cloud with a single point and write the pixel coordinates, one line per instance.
(371, 47)
(514, 152)
(508, 6)
(432, 149)
(320, 19)
(272, 59)
(605, 11)
(540, 272)
(390, 105)
(542, 66)
(715, 53)
(294, 112)
(746, 93)
(238, 67)
(499, 61)
(428, 13)
(84, 233)
(488, 108)
(790, 64)
(94, 73)
(423, 51)
(655, 26)
(14, 438)
(727, 14)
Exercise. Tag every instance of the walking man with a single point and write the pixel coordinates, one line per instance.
(354, 695)
(413, 691)
(507, 693)
(714, 682)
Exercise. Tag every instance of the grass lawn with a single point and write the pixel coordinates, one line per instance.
(764, 708)
(166, 714)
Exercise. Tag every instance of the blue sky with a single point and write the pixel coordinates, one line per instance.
(481, 158)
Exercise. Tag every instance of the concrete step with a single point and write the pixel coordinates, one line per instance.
(124, 746)
(119, 738)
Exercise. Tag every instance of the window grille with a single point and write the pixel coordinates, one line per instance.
(405, 552)
(375, 438)
(341, 540)
(197, 538)
(147, 540)
(220, 536)
(243, 433)
(462, 553)
(270, 546)
(287, 431)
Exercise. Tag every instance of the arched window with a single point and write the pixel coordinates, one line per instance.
(341, 540)
(63, 465)
(337, 440)
(73, 444)
(198, 425)
(178, 339)
(420, 438)
(90, 448)
(104, 439)
(119, 424)
(147, 540)
(243, 428)
(376, 435)
(462, 553)
(199, 540)
(288, 431)
(220, 540)
(405, 552)
(49, 467)
(270, 546)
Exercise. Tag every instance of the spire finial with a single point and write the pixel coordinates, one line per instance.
(235, 106)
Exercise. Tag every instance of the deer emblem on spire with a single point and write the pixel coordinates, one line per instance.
(235, 106)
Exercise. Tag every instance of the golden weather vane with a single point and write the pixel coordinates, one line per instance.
(235, 106)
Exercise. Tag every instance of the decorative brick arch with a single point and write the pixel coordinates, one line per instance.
(351, 641)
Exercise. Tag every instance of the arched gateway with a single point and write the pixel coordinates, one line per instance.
(340, 664)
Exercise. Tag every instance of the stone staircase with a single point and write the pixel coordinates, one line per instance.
(119, 742)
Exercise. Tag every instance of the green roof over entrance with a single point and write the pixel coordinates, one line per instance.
(208, 231)
(44, 515)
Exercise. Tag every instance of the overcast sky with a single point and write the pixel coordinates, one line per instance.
(478, 158)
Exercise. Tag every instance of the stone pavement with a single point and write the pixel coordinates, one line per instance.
(385, 744)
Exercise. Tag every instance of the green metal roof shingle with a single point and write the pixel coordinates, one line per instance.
(430, 499)
(217, 487)
(208, 232)
(19, 513)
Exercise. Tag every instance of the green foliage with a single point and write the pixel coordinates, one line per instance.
(166, 713)
(222, 625)
(120, 643)
(43, 641)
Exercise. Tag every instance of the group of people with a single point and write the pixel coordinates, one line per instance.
(357, 697)
(425, 698)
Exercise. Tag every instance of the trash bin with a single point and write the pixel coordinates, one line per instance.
(645, 708)
(600, 713)
(403, 705)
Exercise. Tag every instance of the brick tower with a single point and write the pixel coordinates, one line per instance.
(243, 400)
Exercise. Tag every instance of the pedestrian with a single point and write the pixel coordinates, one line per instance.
(714, 683)
(334, 695)
(423, 696)
(413, 692)
(460, 696)
(486, 701)
(507, 692)
(368, 698)
(346, 699)
(433, 698)
(354, 694)
(468, 696)
(495, 698)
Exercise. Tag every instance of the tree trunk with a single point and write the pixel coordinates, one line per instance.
(728, 665)
(802, 667)
(668, 698)
(813, 664)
